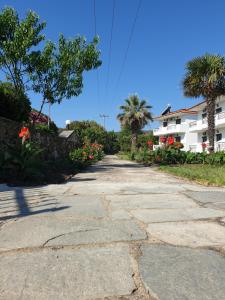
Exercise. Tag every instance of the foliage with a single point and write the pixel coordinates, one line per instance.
(52, 129)
(17, 40)
(202, 173)
(145, 140)
(135, 116)
(172, 156)
(89, 132)
(58, 73)
(205, 76)
(86, 155)
(13, 105)
(111, 143)
(40, 122)
(124, 139)
(24, 161)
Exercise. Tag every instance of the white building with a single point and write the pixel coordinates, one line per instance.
(200, 126)
(176, 124)
(189, 126)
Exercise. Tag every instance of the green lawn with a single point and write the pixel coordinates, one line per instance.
(205, 174)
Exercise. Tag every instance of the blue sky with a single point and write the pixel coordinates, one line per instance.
(166, 36)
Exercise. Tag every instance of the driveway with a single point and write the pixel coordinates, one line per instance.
(116, 231)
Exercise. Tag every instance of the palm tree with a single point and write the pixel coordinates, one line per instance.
(135, 116)
(205, 76)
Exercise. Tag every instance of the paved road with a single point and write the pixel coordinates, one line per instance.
(116, 231)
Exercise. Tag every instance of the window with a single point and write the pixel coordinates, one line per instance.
(177, 139)
(218, 110)
(178, 121)
(164, 123)
(204, 139)
(218, 137)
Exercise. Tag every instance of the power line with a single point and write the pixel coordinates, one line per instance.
(104, 118)
(129, 42)
(95, 31)
(110, 46)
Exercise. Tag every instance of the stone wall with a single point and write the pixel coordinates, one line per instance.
(54, 146)
(9, 133)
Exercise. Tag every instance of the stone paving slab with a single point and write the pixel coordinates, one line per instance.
(207, 196)
(49, 231)
(192, 234)
(172, 273)
(151, 201)
(82, 274)
(84, 206)
(171, 215)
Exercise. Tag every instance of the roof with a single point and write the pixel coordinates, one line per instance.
(65, 134)
(177, 113)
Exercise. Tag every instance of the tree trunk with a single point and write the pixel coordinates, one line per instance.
(133, 141)
(211, 104)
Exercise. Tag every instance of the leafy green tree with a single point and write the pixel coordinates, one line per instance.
(205, 76)
(17, 40)
(58, 73)
(88, 132)
(111, 144)
(136, 114)
(13, 105)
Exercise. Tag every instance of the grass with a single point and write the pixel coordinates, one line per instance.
(204, 174)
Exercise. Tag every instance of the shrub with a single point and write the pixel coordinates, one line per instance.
(13, 105)
(86, 155)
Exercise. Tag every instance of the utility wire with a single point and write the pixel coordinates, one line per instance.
(110, 47)
(95, 31)
(129, 42)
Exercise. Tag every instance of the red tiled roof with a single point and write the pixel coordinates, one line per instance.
(182, 111)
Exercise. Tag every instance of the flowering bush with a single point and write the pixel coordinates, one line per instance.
(163, 139)
(87, 154)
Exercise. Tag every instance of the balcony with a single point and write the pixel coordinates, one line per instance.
(202, 125)
(169, 129)
(220, 146)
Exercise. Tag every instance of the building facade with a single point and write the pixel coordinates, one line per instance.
(190, 126)
(200, 126)
(176, 124)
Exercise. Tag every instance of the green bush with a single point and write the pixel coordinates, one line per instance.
(86, 155)
(25, 161)
(169, 155)
(13, 105)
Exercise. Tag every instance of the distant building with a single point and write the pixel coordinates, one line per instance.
(189, 126)
(68, 135)
(176, 124)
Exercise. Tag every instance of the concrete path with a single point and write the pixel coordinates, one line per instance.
(116, 231)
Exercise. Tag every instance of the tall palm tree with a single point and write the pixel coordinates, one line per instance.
(135, 116)
(205, 76)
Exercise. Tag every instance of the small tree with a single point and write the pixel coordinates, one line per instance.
(135, 116)
(58, 73)
(17, 39)
(205, 76)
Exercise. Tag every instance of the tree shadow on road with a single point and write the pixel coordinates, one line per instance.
(16, 205)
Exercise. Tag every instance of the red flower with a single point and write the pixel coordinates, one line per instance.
(170, 140)
(24, 133)
(91, 156)
(163, 139)
(149, 143)
(204, 145)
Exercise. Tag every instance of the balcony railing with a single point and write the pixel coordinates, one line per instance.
(171, 127)
(221, 115)
(193, 124)
(220, 146)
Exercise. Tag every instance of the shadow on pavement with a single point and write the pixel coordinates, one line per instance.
(16, 205)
